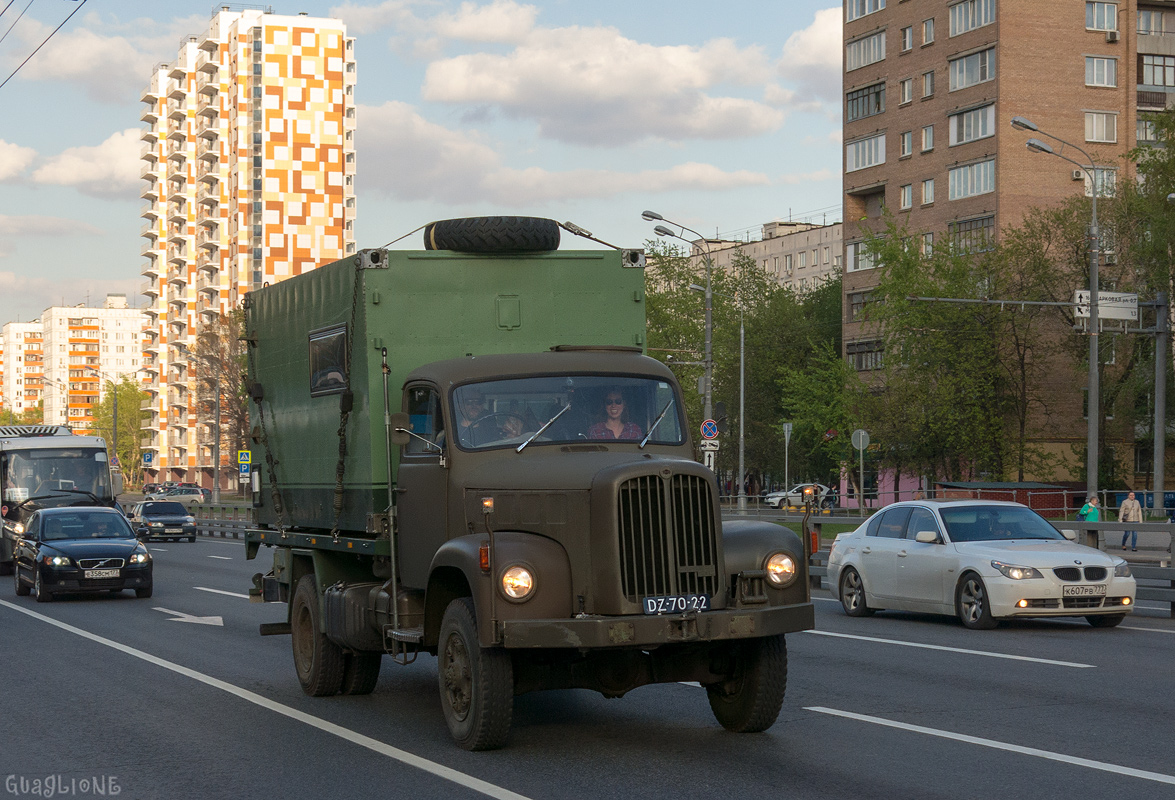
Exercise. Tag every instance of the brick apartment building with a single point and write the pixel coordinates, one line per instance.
(930, 90)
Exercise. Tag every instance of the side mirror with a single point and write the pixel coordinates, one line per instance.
(116, 482)
(926, 537)
(1070, 535)
(400, 423)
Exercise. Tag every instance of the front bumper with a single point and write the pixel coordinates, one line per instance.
(652, 631)
(66, 580)
(1044, 598)
(169, 532)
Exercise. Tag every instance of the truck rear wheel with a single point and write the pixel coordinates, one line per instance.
(318, 660)
(749, 700)
(361, 672)
(493, 235)
(476, 683)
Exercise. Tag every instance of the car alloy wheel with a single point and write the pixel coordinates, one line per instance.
(852, 594)
(973, 604)
(43, 596)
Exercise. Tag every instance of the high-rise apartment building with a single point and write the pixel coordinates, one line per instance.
(24, 366)
(930, 90)
(249, 160)
(65, 358)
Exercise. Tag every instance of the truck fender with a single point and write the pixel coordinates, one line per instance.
(456, 572)
(748, 543)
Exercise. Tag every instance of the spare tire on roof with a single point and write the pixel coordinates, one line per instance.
(493, 235)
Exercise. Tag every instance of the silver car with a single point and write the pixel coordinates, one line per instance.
(978, 560)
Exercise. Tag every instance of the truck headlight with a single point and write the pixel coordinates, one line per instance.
(517, 582)
(781, 569)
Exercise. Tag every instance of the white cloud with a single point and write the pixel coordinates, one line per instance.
(105, 170)
(11, 225)
(362, 19)
(14, 159)
(410, 158)
(594, 86)
(500, 21)
(808, 177)
(24, 297)
(812, 57)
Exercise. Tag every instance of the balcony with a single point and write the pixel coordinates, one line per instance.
(149, 231)
(178, 257)
(178, 279)
(211, 223)
(177, 134)
(151, 268)
(1152, 101)
(151, 190)
(208, 282)
(178, 215)
(177, 113)
(208, 195)
(150, 114)
(207, 261)
(148, 135)
(177, 172)
(209, 111)
(177, 72)
(208, 239)
(149, 172)
(208, 150)
(210, 89)
(147, 151)
(149, 95)
(149, 289)
(149, 249)
(210, 132)
(148, 211)
(177, 233)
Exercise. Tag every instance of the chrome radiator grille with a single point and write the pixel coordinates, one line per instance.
(667, 536)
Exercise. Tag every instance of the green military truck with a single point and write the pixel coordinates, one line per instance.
(465, 452)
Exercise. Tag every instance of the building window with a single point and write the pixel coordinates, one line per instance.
(967, 126)
(971, 14)
(857, 302)
(1107, 182)
(973, 69)
(858, 257)
(907, 39)
(906, 143)
(1145, 130)
(1155, 23)
(1101, 16)
(855, 9)
(787, 265)
(1158, 70)
(906, 196)
(827, 250)
(867, 102)
(928, 191)
(906, 90)
(927, 31)
(927, 138)
(802, 259)
(865, 153)
(1101, 126)
(973, 235)
(971, 180)
(928, 244)
(864, 52)
(927, 84)
(1101, 71)
(865, 355)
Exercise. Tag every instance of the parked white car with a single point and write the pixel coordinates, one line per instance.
(978, 560)
(795, 496)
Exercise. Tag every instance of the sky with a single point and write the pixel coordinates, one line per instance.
(718, 116)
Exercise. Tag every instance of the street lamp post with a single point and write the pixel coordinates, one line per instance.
(1094, 403)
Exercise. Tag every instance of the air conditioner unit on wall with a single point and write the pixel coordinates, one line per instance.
(1078, 174)
(1111, 36)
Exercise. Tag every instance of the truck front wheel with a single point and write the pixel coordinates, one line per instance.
(318, 660)
(476, 683)
(750, 698)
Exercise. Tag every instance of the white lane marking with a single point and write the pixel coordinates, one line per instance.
(179, 616)
(1157, 777)
(826, 600)
(403, 756)
(691, 683)
(1148, 630)
(158, 550)
(221, 591)
(222, 558)
(953, 649)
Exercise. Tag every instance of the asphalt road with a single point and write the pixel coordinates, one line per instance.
(134, 694)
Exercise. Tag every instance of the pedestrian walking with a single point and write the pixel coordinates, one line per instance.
(1130, 511)
(1090, 511)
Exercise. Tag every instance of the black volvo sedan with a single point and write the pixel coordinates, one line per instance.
(69, 549)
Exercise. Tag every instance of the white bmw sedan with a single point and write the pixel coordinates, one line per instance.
(978, 560)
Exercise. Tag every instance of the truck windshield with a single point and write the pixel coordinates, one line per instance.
(599, 408)
(56, 475)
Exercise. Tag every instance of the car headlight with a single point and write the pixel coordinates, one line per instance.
(781, 569)
(155, 524)
(189, 520)
(57, 561)
(18, 529)
(139, 558)
(1121, 569)
(1016, 573)
(517, 582)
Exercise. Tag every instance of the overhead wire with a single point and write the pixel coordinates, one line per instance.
(42, 44)
(10, 2)
(18, 16)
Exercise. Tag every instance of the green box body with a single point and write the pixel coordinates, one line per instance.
(423, 306)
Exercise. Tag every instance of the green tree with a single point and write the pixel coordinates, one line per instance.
(130, 421)
(219, 366)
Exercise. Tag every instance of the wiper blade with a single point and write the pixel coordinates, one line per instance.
(548, 423)
(653, 427)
